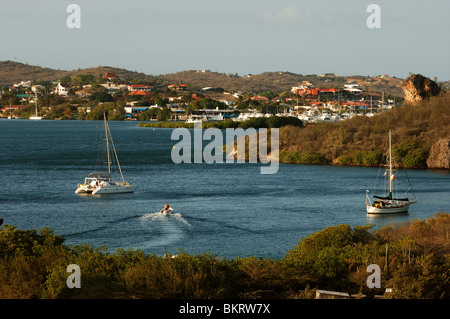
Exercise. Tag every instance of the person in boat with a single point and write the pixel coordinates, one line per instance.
(167, 209)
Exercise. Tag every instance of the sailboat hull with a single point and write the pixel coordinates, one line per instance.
(113, 189)
(403, 208)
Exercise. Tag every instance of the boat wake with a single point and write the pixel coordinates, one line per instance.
(162, 229)
(163, 216)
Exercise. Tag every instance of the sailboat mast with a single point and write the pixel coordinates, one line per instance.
(390, 164)
(107, 143)
(36, 104)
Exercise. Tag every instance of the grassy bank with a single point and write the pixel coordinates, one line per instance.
(33, 264)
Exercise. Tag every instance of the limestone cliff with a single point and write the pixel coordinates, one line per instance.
(417, 88)
(439, 156)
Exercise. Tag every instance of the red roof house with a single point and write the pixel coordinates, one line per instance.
(109, 75)
(139, 92)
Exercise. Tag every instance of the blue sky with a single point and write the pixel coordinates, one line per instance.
(235, 36)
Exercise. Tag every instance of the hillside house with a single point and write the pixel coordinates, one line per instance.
(260, 98)
(62, 89)
(139, 87)
(109, 76)
(24, 84)
(353, 88)
(356, 105)
(11, 108)
(178, 87)
(112, 87)
(139, 92)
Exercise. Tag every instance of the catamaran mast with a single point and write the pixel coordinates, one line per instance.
(117, 158)
(107, 144)
(108, 137)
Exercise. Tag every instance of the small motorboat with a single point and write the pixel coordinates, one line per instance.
(166, 210)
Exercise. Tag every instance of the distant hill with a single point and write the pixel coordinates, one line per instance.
(14, 72)
(282, 81)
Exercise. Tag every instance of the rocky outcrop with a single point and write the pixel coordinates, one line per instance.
(417, 88)
(439, 156)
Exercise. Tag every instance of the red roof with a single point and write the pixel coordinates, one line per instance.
(140, 86)
(259, 98)
(13, 107)
(307, 91)
(355, 103)
(139, 92)
(329, 90)
(109, 75)
(314, 92)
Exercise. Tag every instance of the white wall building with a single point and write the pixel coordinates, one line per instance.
(62, 89)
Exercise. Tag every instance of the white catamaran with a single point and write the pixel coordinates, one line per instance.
(388, 204)
(98, 183)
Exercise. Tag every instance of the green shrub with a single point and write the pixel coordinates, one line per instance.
(345, 160)
(373, 158)
(415, 158)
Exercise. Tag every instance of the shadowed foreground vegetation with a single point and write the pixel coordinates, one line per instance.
(33, 264)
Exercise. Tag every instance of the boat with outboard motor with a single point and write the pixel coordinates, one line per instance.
(166, 210)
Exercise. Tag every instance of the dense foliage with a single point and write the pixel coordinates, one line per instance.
(260, 122)
(414, 258)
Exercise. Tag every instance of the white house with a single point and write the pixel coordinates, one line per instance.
(25, 84)
(62, 89)
(353, 88)
(139, 87)
(113, 87)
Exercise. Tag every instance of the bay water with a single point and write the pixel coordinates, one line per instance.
(225, 209)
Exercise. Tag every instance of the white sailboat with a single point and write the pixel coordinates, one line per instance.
(388, 204)
(99, 183)
(36, 116)
(10, 116)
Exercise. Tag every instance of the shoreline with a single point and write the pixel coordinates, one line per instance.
(320, 160)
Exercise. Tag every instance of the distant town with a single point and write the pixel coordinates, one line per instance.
(85, 97)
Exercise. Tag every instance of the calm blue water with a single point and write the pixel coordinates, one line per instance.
(227, 209)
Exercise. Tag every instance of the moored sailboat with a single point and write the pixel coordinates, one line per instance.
(388, 204)
(36, 116)
(98, 183)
